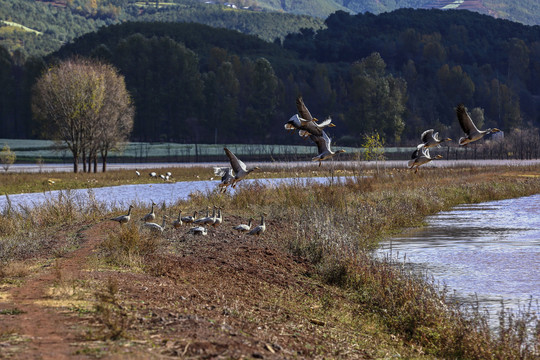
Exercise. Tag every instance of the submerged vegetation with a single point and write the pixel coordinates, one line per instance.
(333, 228)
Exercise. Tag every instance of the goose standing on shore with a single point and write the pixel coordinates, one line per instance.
(151, 215)
(189, 219)
(202, 220)
(468, 127)
(420, 157)
(156, 227)
(210, 220)
(243, 227)
(431, 139)
(219, 218)
(122, 219)
(259, 229)
(178, 222)
(198, 230)
(240, 169)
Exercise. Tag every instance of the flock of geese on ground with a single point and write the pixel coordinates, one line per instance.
(308, 127)
(199, 226)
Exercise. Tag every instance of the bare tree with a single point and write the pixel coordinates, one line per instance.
(116, 121)
(80, 100)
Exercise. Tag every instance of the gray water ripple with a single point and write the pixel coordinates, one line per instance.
(488, 251)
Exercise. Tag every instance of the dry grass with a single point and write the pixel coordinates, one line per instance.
(129, 246)
(335, 227)
(111, 313)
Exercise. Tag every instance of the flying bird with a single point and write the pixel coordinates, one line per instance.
(432, 139)
(324, 144)
(240, 169)
(420, 157)
(468, 127)
(305, 123)
(227, 177)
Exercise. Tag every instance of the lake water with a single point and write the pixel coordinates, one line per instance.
(168, 193)
(489, 251)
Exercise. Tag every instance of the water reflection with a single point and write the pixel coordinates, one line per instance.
(489, 250)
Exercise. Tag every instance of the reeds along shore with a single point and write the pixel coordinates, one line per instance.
(335, 227)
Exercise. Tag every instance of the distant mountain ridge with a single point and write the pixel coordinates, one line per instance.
(524, 11)
(57, 22)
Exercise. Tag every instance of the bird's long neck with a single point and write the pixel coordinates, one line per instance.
(249, 223)
(179, 215)
(262, 219)
(129, 211)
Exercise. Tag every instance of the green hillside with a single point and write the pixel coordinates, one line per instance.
(56, 23)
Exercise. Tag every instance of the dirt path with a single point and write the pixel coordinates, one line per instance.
(43, 331)
(222, 296)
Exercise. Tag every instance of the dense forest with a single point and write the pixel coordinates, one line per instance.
(397, 73)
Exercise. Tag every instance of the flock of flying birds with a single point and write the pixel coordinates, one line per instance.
(308, 127)
(429, 139)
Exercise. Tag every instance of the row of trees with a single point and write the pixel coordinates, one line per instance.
(85, 105)
(190, 82)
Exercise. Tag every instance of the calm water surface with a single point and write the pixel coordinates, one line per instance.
(489, 250)
(169, 193)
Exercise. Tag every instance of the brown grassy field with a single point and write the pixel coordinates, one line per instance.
(74, 284)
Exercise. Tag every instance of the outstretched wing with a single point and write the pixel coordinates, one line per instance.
(223, 172)
(427, 135)
(236, 164)
(465, 120)
(416, 153)
(303, 112)
(323, 142)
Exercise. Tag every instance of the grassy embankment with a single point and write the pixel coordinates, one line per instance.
(333, 228)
